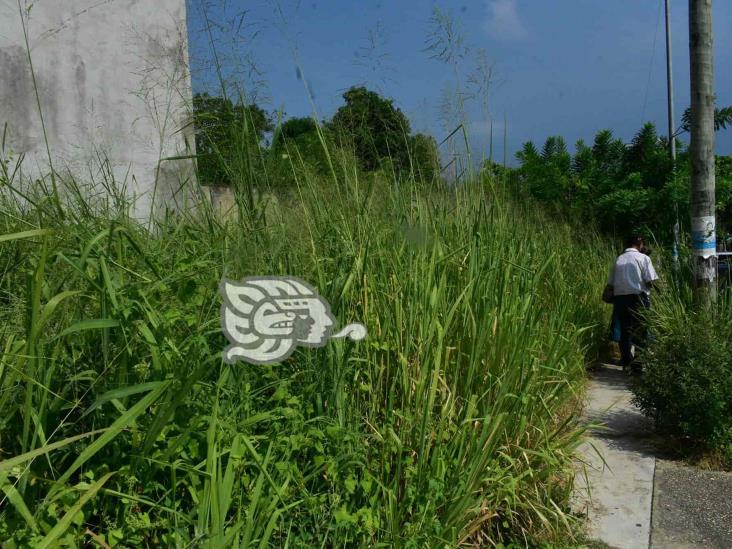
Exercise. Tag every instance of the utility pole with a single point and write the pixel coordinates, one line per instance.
(671, 127)
(703, 222)
(670, 87)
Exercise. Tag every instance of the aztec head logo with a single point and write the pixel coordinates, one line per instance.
(265, 318)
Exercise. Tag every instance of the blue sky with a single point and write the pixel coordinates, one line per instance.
(567, 67)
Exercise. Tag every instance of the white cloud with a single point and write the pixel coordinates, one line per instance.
(503, 21)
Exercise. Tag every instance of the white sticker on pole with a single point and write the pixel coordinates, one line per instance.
(703, 236)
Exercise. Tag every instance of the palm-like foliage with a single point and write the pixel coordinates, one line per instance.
(647, 156)
(583, 162)
(608, 153)
(623, 187)
(722, 119)
(528, 153)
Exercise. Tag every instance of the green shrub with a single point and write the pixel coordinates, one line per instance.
(687, 382)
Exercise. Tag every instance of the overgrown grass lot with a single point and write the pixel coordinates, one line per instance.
(452, 424)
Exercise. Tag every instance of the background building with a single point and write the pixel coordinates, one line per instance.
(114, 92)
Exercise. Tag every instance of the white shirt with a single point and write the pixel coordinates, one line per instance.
(632, 273)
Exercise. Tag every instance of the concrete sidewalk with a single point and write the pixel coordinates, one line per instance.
(631, 497)
(614, 482)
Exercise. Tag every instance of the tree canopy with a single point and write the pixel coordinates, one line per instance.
(226, 133)
(374, 128)
(623, 187)
(368, 125)
(300, 138)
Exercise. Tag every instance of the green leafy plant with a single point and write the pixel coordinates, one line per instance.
(687, 379)
(228, 137)
(620, 187)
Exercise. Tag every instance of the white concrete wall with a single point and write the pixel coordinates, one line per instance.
(113, 78)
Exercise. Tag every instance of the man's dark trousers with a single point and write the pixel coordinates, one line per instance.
(630, 308)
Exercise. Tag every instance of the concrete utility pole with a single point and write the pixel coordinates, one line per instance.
(670, 87)
(671, 126)
(703, 223)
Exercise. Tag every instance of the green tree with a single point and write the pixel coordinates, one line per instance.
(620, 187)
(228, 138)
(528, 153)
(547, 175)
(557, 161)
(374, 128)
(425, 157)
(496, 170)
(608, 153)
(647, 156)
(724, 193)
(531, 165)
(626, 208)
(583, 163)
(296, 140)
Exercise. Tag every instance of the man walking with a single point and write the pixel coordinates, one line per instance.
(631, 279)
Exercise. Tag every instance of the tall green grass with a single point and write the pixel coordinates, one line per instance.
(452, 423)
